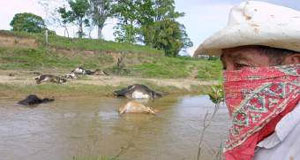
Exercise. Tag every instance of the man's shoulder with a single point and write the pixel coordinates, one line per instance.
(285, 141)
(287, 124)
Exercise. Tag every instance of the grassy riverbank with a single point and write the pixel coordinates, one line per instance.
(29, 52)
(138, 65)
(22, 53)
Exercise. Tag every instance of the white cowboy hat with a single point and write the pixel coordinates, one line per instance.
(256, 23)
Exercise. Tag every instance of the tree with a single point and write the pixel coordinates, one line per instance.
(152, 22)
(78, 14)
(65, 18)
(165, 9)
(28, 22)
(160, 28)
(167, 35)
(100, 11)
(126, 29)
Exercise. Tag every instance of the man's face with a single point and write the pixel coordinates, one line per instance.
(240, 57)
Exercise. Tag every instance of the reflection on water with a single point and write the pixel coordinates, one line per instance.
(92, 127)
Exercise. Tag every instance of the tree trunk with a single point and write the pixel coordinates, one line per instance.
(80, 32)
(100, 27)
(66, 31)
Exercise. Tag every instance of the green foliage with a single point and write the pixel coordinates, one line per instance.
(152, 22)
(166, 9)
(126, 33)
(167, 35)
(126, 30)
(161, 30)
(78, 14)
(217, 94)
(28, 22)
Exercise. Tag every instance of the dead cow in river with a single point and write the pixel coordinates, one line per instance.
(137, 91)
(33, 100)
(136, 107)
(50, 78)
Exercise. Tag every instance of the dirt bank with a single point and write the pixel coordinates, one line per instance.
(7, 40)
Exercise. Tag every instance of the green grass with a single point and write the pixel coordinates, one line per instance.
(138, 65)
(169, 67)
(56, 90)
(164, 67)
(99, 45)
(65, 54)
(88, 90)
(84, 44)
(22, 58)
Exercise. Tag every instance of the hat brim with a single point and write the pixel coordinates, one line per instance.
(279, 36)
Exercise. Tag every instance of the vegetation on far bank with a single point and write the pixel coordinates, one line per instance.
(60, 42)
(149, 22)
(33, 47)
(63, 55)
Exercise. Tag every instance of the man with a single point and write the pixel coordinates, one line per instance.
(260, 52)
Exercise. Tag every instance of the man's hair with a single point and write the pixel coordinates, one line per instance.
(276, 55)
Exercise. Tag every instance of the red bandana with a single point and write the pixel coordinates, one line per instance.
(257, 98)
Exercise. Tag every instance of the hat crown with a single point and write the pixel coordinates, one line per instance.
(256, 23)
(261, 13)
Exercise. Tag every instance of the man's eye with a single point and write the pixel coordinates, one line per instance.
(239, 66)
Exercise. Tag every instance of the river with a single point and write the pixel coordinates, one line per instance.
(91, 127)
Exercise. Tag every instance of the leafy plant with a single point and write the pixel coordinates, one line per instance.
(127, 28)
(167, 35)
(28, 22)
(216, 95)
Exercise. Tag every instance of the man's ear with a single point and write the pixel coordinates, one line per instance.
(292, 59)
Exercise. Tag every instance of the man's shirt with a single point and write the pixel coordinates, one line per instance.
(284, 143)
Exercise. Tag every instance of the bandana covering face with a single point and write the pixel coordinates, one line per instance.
(257, 98)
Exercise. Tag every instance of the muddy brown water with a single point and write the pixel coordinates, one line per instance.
(90, 127)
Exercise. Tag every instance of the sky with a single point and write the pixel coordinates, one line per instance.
(202, 17)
